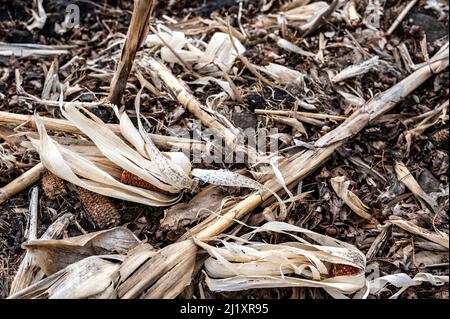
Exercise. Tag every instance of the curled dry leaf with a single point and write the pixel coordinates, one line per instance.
(181, 215)
(403, 281)
(340, 186)
(404, 176)
(54, 255)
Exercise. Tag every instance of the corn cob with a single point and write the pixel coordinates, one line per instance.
(343, 270)
(133, 180)
(98, 208)
(440, 136)
(52, 185)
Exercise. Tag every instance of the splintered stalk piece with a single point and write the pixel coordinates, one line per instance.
(136, 34)
(133, 180)
(20, 183)
(52, 185)
(99, 209)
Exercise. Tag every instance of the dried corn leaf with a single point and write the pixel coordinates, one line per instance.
(441, 239)
(181, 215)
(340, 186)
(404, 176)
(93, 277)
(54, 255)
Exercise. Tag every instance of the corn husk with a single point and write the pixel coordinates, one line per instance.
(92, 169)
(175, 46)
(243, 264)
(93, 277)
(81, 171)
(54, 255)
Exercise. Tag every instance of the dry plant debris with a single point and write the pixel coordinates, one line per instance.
(224, 149)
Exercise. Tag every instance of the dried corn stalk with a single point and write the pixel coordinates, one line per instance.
(438, 238)
(84, 173)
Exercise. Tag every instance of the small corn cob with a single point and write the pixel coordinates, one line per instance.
(52, 185)
(440, 136)
(343, 270)
(99, 209)
(133, 180)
